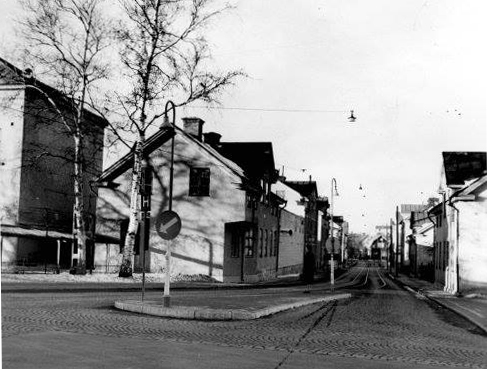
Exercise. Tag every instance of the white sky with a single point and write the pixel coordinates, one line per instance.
(413, 72)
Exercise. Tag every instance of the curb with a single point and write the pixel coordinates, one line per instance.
(38, 287)
(423, 296)
(137, 287)
(195, 313)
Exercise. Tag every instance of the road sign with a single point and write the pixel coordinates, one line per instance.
(168, 225)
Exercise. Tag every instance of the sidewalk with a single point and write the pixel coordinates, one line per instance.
(220, 301)
(52, 283)
(472, 308)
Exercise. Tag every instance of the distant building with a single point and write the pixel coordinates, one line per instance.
(460, 223)
(404, 228)
(313, 205)
(420, 244)
(291, 238)
(379, 249)
(36, 173)
(222, 193)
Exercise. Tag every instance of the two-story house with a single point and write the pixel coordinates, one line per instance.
(460, 223)
(222, 193)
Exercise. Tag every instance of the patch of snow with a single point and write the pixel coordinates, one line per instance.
(65, 277)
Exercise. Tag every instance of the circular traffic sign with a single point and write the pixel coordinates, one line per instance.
(168, 225)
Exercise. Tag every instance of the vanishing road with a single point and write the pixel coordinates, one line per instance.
(381, 326)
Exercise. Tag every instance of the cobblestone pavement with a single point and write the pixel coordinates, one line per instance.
(381, 323)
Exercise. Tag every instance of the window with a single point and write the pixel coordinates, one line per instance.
(266, 242)
(249, 242)
(271, 244)
(199, 182)
(249, 201)
(276, 243)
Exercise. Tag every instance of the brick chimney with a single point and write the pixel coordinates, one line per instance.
(194, 127)
(212, 138)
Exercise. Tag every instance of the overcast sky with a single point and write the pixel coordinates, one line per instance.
(413, 72)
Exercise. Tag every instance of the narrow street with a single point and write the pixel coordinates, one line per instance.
(381, 326)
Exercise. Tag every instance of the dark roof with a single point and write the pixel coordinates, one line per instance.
(408, 208)
(127, 161)
(255, 158)
(305, 188)
(463, 166)
(11, 75)
(338, 219)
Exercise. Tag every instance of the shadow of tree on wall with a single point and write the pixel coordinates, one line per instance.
(111, 213)
(181, 169)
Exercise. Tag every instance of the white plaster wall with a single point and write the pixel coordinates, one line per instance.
(291, 196)
(291, 247)
(107, 258)
(11, 136)
(473, 243)
(199, 248)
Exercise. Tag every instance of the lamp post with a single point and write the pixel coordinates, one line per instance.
(167, 281)
(332, 267)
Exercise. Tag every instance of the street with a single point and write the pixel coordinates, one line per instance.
(381, 326)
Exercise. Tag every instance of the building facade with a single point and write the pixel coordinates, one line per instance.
(222, 193)
(37, 173)
(460, 223)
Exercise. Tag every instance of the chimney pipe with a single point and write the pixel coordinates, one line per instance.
(194, 127)
(212, 138)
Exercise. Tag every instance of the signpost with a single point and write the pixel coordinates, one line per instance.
(168, 226)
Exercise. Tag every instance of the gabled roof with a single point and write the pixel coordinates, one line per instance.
(460, 167)
(127, 161)
(160, 138)
(305, 188)
(11, 75)
(255, 158)
(463, 194)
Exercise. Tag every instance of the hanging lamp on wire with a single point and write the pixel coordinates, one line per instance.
(352, 118)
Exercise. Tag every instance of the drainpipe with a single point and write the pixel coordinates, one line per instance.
(457, 246)
(278, 241)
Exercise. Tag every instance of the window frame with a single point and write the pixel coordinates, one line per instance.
(198, 175)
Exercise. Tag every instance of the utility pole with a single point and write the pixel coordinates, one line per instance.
(397, 241)
(332, 266)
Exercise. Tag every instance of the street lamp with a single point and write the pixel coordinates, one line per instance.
(352, 118)
(167, 282)
(332, 268)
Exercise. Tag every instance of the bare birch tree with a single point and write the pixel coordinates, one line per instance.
(164, 54)
(66, 40)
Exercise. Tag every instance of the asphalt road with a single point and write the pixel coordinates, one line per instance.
(382, 326)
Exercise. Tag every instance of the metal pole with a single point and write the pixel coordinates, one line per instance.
(332, 266)
(397, 241)
(142, 244)
(167, 281)
(58, 253)
(342, 245)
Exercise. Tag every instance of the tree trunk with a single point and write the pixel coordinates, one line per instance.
(79, 223)
(126, 268)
